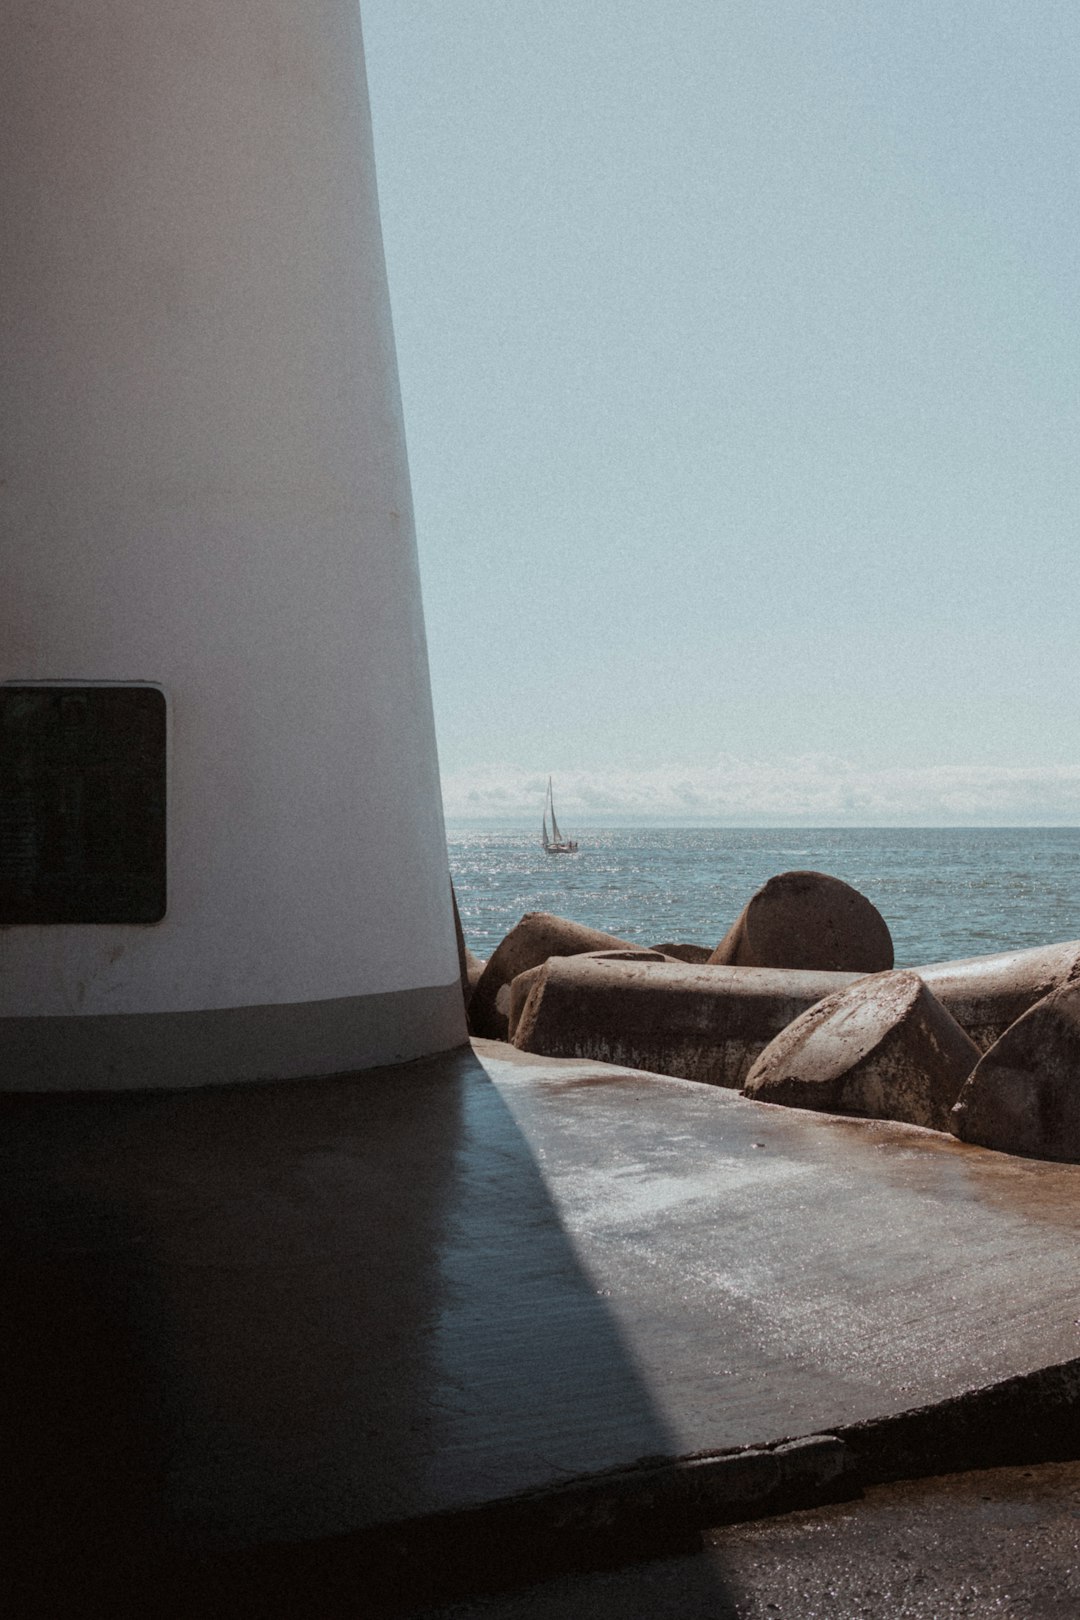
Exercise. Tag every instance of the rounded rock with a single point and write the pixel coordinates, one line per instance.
(808, 920)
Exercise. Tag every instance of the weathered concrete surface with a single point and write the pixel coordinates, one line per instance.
(1024, 1096)
(288, 1313)
(985, 994)
(629, 953)
(684, 951)
(520, 990)
(531, 941)
(696, 1023)
(884, 1048)
(808, 920)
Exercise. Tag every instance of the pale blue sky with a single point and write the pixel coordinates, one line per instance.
(740, 351)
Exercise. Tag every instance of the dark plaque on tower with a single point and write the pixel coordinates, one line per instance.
(82, 804)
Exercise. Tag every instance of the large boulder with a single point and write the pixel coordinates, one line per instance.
(808, 920)
(1024, 1095)
(985, 994)
(537, 936)
(884, 1048)
(700, 1023)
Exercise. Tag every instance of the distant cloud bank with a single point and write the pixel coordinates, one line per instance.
(813, 790)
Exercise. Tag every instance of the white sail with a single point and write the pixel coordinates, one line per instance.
(556, 844)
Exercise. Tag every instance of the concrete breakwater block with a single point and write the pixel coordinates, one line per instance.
(695, 1022)
(531, 941)
(522, 985)
(808, 920)
(885, 1048)
(1024, 1095)
(985, 994)
(474, 967)
(683, 951)
(470, 966)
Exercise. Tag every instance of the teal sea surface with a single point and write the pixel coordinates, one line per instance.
(944, 892)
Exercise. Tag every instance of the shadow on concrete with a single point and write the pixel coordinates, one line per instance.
(251, 1334)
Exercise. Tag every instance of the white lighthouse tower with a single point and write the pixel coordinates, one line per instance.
(221, 845)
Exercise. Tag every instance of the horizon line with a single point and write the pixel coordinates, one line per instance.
(715, 824)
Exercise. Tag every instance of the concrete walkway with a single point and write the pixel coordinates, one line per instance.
(282, 1314)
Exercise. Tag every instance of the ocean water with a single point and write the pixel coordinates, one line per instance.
(944, 892)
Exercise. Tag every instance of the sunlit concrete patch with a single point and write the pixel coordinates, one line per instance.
(777, 1272)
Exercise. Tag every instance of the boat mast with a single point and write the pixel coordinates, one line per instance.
(556, 844)
(556, 835)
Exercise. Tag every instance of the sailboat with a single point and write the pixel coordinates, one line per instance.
(554, 843)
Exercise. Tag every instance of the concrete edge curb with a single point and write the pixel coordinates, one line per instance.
(1030, 1418)
(657, 1507)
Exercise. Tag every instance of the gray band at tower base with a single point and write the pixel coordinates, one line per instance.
(221, 1046)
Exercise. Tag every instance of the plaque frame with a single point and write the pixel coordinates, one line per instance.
(83, 803)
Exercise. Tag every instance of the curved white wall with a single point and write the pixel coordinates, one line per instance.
(205, 486)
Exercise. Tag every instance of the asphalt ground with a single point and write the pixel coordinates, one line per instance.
(972, 1546)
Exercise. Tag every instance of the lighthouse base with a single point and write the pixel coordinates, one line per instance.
(222, 1046)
